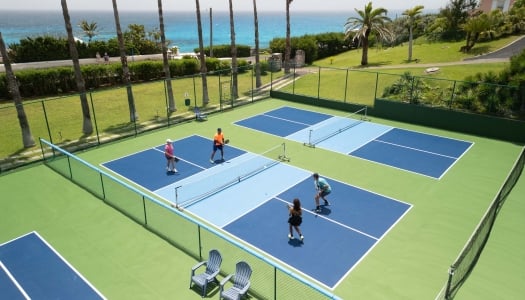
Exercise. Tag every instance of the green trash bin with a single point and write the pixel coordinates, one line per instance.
(187, 102)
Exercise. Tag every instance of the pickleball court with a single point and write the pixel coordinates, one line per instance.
(355, 135)
(247, 195)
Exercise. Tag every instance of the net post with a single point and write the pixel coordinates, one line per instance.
(177, 199)
(365, 115)
(309, 143)
(283, 156)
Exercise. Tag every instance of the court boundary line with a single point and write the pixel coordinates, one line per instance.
(14, 281)
(181, 159)
(455, 161)
(283, 119)
(415, 149)
(394, 167)
(333, 221)
(257, 130)
(62, 259)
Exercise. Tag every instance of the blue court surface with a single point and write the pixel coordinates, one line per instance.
(424, 154)
(31, 269)
(249, 195)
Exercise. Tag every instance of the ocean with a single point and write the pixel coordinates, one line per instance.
(180, 27)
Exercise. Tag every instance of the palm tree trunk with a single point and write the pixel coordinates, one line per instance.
(171, 100)
(258, 82)
(87, 127)
(27, 137)
(133, 115)
(287, 50)
(410, 42)
(364, 56)
(235, 93)
(202, 59)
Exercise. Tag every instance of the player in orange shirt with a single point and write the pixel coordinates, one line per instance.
(218, 144)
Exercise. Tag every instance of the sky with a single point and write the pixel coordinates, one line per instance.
(222, 5)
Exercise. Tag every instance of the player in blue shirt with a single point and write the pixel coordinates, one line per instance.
(323, 189)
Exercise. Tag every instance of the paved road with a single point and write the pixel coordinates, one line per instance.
(504, 53)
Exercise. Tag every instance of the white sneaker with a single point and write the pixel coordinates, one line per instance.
(290, 236)
(302, 237)
(175, 170)
(212, 161)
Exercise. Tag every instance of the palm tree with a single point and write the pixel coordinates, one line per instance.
(133, 115)
(167, 74)
(288, 47)
(27, 137)
(234, 92)
(474, 27)
(258, 82)
(90, 29)
(369, 20)
(412, 17)
(87, 127)
(202, 59)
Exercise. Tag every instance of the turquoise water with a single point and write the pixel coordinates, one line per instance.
(180, 27)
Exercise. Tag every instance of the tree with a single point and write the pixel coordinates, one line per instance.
(288, 47)
(87, 127)
(27, 137)
(258, 82)
(369, 21)
(171, 101)
(517, 16)
(474, 27)
(202, 59)
(90, 29)
(412, 18)
(456, 14)
(133, 115)
(234, 92)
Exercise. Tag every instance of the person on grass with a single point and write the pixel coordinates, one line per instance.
(295, 219)
(170, 158)
(218, 144)
(323, 189)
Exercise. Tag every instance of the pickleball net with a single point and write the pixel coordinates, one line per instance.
(334, 126)
(237, 171)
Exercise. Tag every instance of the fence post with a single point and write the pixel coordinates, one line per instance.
(47, 122)
(346, 85)
(319, 84)
(94, 115)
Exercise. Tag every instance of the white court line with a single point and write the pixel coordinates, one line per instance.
(416, 149)
(335, 222)
(69, 265)
(287, 120)
(13, 279)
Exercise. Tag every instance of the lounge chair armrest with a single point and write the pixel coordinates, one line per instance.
(195, 267)
(225, 280)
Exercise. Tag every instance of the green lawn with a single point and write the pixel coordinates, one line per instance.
(425, 52)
